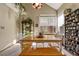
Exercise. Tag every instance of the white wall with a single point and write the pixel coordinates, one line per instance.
(60, 21)
(34, 14)
(8, 21)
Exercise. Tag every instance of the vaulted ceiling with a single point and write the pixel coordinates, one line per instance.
(56, 6)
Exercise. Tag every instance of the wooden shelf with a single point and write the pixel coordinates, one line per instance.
(71, 31)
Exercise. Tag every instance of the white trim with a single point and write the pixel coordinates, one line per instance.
(66, 52)
(47, 14)
(56, 6)
(10, 44)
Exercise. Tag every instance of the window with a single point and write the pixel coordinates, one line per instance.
(47, 21)
(47, 24)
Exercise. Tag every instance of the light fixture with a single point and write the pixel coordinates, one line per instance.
(37, 5)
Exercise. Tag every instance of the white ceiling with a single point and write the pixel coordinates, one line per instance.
(56, 6)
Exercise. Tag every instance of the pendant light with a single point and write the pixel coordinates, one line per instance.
(37, 5)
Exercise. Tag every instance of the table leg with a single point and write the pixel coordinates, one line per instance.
(60, 47)
(36, 45)
(43, 44)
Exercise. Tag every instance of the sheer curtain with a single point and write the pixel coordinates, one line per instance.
(47, 24)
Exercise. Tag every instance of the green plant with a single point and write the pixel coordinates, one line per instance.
(28, 29)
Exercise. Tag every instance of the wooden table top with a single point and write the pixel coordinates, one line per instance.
(42, 40)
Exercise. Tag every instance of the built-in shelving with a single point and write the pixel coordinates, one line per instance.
(72, 32)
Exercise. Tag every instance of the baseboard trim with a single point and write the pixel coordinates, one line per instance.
(7, 46)
(66, 52)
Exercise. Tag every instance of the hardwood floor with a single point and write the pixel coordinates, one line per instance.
(41, 52)
(28, 51)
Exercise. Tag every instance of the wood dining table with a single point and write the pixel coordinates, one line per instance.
(43, 40)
